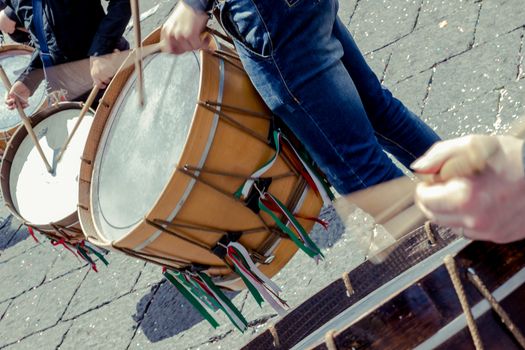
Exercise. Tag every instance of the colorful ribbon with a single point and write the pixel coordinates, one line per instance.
(259, 285)
(271, 205)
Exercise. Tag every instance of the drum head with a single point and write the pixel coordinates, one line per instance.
(38, 196)
(14, 61)
(140, 147)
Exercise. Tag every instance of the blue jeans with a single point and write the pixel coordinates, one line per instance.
(309, 71)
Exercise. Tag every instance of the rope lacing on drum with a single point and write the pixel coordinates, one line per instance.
(450, 264)
(505, 318)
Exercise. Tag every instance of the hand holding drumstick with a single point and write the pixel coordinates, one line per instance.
(477, 183)
(183, 30)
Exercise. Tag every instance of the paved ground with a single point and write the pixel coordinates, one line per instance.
(458, 63)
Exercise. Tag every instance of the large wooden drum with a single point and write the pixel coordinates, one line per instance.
(47, 201)
(159, 182)
(14, 58)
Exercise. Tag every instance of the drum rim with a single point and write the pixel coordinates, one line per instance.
(10, 152)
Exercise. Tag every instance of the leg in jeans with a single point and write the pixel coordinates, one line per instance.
(293, 51)
(398, 130)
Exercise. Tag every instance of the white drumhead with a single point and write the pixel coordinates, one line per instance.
(41, 197)
(140, 147)
(14, 62)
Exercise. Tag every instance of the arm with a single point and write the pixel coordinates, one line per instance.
(33, 75)
(111, 28)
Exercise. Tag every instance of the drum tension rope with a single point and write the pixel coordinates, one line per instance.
(484, 291)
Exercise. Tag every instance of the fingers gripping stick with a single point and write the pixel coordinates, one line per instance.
(25, 119)
(473, 161)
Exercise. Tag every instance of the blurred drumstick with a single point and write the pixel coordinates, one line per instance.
(25, 119)
(138, 45)
(391, 203)
(83, 111)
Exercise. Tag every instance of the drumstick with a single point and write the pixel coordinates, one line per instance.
(25, 119)
(83, 112)
(391, 203)
(138, 57)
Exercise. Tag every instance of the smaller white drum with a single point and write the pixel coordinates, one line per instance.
(47, 201)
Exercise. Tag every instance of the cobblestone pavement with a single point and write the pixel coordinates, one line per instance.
(458, 63)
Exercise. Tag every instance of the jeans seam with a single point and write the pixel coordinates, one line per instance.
(333, 148)
(396, 144)
(265, 28)
(303, 108)
(313, 121)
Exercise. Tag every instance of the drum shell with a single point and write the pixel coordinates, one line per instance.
(68, 227)
(195, 201)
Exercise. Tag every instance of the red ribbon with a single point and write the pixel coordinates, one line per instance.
(32, 233)
(62, 241)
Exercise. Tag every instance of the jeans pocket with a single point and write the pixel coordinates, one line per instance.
(244, 24)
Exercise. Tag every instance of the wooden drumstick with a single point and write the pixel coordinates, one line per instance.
(83, 111)
(25, 119)
(138, 47)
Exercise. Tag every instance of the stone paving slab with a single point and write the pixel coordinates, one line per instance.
(151, 275)
(65, 263)
(49, 339)
(24, 272)
(378, 23)
(433, 11)
(346, 10)
(109, 327)
(416, 53)
(512, 101)
(108, 284)
(413, 92)
(485, 68)
(498, 18)
(22, 245)
(476, 116)
(3, 308)
(38, 309)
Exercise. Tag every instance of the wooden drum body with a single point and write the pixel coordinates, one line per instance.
(159, 183)
(14, 58)
(47, 202)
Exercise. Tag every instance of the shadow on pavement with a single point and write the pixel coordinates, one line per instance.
(11, 232)
(168, 314)
(326, 238)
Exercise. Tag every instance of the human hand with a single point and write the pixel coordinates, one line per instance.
(488, 203)
(7, 25)
(19, 91)
(182, 31)
(103, 68)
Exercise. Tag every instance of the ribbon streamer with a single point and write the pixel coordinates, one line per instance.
(259, 285)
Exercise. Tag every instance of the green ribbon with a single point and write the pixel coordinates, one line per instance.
(98, 255)
(193, 301)
(209, 283)
(312, 250)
